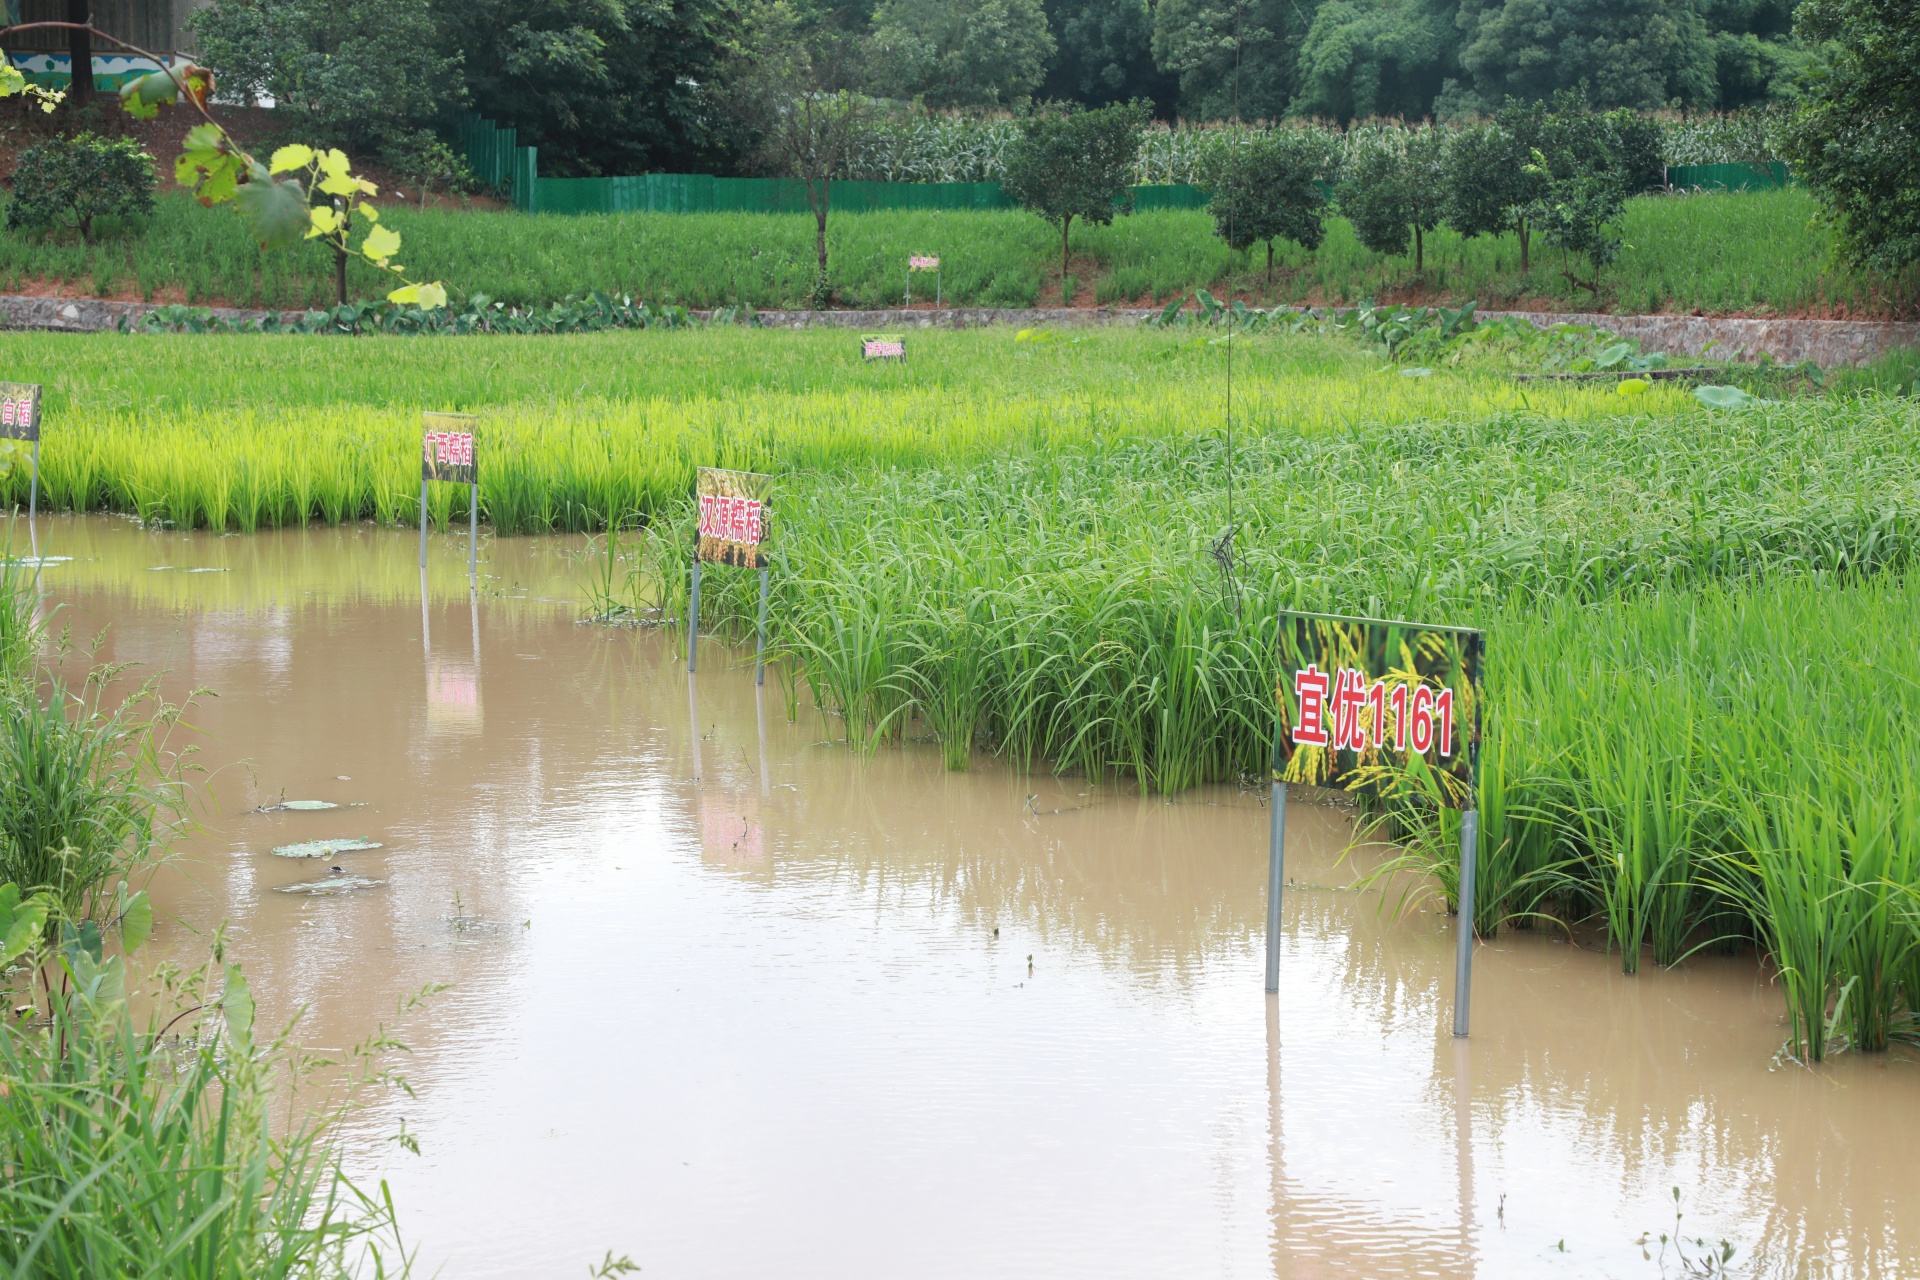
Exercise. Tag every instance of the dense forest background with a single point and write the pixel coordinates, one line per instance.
(628, 86)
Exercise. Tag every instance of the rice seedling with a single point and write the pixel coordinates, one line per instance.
(250, 433)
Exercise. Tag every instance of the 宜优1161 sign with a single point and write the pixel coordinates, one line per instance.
(733, 517)
(883, 346)
(20, 410)
(447, 450)
(1361, 700)
(920, 262)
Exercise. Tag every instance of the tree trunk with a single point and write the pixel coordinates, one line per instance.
(1526, 263)
(1065, 224)
(1269, 262)
(340, 274)
(1419, 251)
(80, 50)
(820, 197)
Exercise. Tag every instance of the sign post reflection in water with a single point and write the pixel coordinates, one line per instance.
(20, 420)
(734, 526)
(1391, 709)
(447, 453)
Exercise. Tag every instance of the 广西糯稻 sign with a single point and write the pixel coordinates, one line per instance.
(1361, 700)
(733, 517)
(919, 262)
(883, 346)
(447, 450)
(20, 410)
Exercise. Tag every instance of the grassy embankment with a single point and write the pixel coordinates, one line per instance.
(1701, 691)
(1759, 253)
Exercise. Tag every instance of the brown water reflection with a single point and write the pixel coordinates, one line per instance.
(735, 1002)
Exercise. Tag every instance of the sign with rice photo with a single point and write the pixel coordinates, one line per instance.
(733, 528)
(20, 410)
(447, 451)
(1385, 709)
(1361, 701)
(883, 346)
(733, 517)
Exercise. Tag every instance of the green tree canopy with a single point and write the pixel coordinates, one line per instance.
(1104, 54)
(1268, 187)
(1630, 53)
(600, 86)
(1363, 58)
(960, 53)
(1855, 139)
(1070, 164)
(361, 74)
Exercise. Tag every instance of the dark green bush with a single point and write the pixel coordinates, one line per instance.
(71, 183)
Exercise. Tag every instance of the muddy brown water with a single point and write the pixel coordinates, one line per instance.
(731, 1001)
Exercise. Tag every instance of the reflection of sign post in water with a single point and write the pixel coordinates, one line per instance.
(917, 262)
(883, 346)
(20, 420)
(1389, 708)
(447, 453)
(734, 525)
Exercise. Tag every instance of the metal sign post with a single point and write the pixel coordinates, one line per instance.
(919, 262)
(735, 523)
(1358, 701)
(448, 453)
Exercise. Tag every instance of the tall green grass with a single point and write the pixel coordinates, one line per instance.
(150, 1150)
(1760, 251)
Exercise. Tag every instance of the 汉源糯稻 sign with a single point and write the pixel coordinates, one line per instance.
(733, 517)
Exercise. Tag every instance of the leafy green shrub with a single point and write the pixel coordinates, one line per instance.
(69, 183)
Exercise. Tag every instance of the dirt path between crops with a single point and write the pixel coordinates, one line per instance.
(729, 999)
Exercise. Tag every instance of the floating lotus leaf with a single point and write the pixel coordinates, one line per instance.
(330, 886)
(323, 848)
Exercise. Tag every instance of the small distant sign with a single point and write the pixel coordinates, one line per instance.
(920, 262)
(20, 410)
(733, 517)
(883, 346)
(1359, 699)
(447, 450)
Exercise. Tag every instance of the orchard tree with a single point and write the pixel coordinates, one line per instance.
(1069, 164)
(1265, 186)
(1853, 138)
(1395, 188)
(1490, 180)
(790, 87)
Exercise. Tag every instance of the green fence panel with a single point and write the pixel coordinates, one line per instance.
(1177, 195)
(1728, 177)
(499, 161)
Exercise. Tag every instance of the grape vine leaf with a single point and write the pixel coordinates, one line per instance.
(277, 209)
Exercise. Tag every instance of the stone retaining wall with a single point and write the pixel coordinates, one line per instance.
(1828, 343)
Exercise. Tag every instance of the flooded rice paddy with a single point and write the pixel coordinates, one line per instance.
(727, 999)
